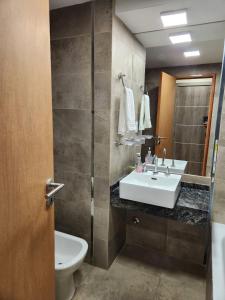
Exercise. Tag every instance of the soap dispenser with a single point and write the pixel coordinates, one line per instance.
(149, 157)
(139, 165)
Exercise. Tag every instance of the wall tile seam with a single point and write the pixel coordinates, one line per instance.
(102, 72)
(103, 205)
(81, 72)
(78, 173)
(107, 110)
(102, 32)
(63, 199)
(71, 173)
(71, 37)
(73, 142)
(71, 109)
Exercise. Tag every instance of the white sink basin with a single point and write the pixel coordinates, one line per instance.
(160, 189)
(179, 166)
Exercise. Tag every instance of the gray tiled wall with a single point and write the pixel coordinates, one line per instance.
(75, 69)
(72, 99)
(102, 104)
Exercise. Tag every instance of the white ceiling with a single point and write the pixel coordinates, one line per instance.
(206, 23)
(62, 3)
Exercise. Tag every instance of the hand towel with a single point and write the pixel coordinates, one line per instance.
(142, 114)
(145, 118)
(122, 128)
(127, 122)
(148, 123)
(130, 111)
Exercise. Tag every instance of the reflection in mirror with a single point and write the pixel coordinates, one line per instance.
(184, 117)
(183, 109)
(183, 66)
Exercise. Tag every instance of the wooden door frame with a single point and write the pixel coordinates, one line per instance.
(159, 107)
(210, 111)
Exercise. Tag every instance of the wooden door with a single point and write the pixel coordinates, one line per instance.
(165, 114)
(26, 152)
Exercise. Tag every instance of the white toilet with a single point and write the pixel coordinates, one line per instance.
(70, 252)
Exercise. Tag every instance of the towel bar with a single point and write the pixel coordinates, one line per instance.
(120, 76)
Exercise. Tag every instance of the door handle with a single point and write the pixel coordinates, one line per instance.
(51, 189)
(158, 139)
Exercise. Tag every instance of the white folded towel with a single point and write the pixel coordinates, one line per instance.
(127, 122)
(148, 123)
(145, 118)
(142, 114)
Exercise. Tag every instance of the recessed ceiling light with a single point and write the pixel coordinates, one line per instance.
(174, 18)
(196, 75)
(180, 38)
(192, 53)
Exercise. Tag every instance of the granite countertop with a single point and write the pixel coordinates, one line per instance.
(192, 206)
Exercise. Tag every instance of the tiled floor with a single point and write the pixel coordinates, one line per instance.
(148, 278)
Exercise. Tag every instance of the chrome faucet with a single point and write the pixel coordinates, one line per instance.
(173, 163)
(164, 156)
(153, 159)
(167, 170)
(156, 165)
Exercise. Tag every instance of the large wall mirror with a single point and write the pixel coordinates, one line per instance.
(183, 66)
(183, 119)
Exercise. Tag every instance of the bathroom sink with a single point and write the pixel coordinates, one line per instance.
(156, 189)
(179, 166)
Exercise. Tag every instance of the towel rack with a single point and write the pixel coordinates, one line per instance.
(144, 89)
(121, 76)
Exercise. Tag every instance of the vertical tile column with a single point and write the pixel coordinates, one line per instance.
(219, 192)
(102, 98)
(116, 50)
(128, 57)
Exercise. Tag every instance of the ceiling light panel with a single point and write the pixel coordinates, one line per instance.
(174, 18)
(180, 38)
(191, 53)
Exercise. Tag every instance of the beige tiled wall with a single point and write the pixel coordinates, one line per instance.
(128, 57)
(116, 50)
(219, 191)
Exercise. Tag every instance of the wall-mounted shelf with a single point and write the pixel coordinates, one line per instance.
(135, 141)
